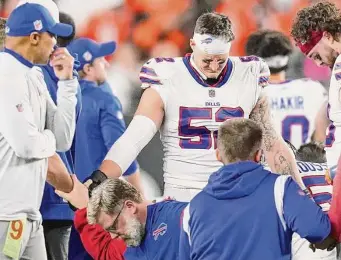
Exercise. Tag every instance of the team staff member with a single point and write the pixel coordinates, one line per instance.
(249, 198)
(56, 213)
(32, 127)
(2, 33)
(101, 121)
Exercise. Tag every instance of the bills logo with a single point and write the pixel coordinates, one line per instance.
(207, 41)
(38, 25)
(160, 231)
(20, 107)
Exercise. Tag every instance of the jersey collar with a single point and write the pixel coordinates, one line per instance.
(20, 58)
(202, 79)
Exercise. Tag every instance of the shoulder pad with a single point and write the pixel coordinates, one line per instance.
(156, 71)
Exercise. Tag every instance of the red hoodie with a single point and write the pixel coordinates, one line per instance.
(335, 208)
(96, 241)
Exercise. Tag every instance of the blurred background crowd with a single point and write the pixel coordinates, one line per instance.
(162, 28)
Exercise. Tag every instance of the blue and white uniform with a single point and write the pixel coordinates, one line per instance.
(194, 110)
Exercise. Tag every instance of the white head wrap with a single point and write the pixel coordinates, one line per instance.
(277, 61)
(211, 45)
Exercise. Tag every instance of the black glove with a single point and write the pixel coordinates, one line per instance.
(97, 178)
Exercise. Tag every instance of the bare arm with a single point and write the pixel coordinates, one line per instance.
(278, 155)
(321, 124)
(150, 106)
(57, 174)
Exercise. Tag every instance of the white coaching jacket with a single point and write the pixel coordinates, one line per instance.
(32, 128)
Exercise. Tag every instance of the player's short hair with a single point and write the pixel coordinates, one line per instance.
(239, 139)
(65, 41)
(322, 16)
(269, 43)
(2, 32)
(311, 152)
(215, 24)
(109, 198)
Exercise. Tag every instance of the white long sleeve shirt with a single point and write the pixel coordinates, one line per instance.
(30, 127)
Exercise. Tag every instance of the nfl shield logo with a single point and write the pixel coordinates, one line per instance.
(38, 25)
(211, 93)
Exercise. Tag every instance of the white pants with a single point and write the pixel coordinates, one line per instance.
(180, 193)
(301, 251)
(32, 244)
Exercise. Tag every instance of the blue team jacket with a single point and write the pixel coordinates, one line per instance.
(235, 217)
(161, 240)
(53, 207)
(99, 126)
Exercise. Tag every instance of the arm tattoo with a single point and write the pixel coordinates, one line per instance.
(282, 165)
(261, 115)
(277, 153)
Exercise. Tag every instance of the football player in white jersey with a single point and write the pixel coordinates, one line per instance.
(317, 32)
(294, 103)
(311, 161)
(187, 98)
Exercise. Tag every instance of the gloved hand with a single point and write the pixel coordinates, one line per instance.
(97, 178)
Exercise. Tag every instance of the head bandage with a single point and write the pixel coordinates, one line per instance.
(211, 45)
(277, 62)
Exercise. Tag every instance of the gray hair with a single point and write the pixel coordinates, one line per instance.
(239, 139)
(2, 32)
(215, 24)
(109, 197)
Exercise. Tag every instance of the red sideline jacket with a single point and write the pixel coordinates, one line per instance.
(96, 241)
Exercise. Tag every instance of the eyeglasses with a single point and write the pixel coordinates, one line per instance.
(113, 227)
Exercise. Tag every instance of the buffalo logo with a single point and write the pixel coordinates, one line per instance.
(160, 231)
(207, 40)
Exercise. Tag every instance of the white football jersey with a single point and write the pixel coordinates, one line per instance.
(316, 177)
(294, 105)
(194, 111)
(333, 140)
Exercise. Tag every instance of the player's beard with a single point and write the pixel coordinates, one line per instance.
(135, 232)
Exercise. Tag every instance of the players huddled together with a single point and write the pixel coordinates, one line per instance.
(251, 158)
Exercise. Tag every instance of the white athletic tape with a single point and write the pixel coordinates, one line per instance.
(211, 45)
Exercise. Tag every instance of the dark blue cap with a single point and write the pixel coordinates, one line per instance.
(29, 18)
(88, 50)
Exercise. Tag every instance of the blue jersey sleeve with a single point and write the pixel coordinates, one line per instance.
(184, 241)
(303, 216)
(113, 126)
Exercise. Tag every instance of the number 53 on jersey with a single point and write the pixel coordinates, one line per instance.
(194, 130)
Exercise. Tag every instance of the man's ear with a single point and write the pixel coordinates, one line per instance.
(258, 156)
(87, 68)
(192, 44)
(218, 156)
(131, 206)
(34, 38)
(327, 37)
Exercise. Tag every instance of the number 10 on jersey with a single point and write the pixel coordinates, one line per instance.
(203, 137)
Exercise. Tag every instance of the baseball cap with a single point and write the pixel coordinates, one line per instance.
(48, 4)
(88, 50)
(28, 18)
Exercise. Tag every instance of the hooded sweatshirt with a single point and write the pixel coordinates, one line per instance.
(235, 216)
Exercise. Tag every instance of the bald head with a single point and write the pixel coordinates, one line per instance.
(2, 32)
(239, 139)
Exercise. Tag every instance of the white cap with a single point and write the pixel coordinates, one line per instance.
(48, 4)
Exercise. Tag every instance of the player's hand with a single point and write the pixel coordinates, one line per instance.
(329, 243)
(97, 177)
(62, 62)
(78, 197)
